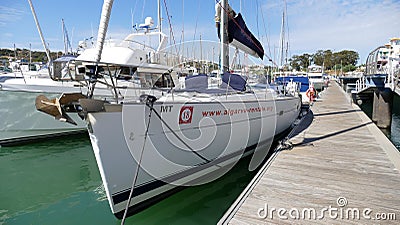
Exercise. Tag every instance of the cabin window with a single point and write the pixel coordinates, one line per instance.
(126, 73)
(150, 80)
(165, 81)
(90, 70)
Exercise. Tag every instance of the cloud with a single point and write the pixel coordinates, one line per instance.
(9, 14)
(8, 35)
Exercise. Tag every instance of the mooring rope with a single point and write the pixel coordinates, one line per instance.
(138, 166)
(149, 103)
(285, 143)
(177, 136)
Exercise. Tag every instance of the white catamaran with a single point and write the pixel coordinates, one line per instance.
(20, 121)
(151, 145)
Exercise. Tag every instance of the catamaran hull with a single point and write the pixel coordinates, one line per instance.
(179, 144)
(19, 119)
(21, 122)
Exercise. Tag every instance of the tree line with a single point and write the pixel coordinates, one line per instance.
(37, 56)
(345, 60)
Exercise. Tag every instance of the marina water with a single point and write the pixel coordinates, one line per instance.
(57, 182)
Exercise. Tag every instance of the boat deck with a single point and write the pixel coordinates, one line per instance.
(341, 165)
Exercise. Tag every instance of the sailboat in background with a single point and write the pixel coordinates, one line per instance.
(285, 76)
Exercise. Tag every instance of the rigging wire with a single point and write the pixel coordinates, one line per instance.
(182, 45)
(258, 29)
(144, 4)
(177, 136)
(170, 25)
(133, 14)
(266, 33)
(288, 32)
(195, 28)
(67, 42)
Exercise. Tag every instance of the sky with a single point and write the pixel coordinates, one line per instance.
(358, 25)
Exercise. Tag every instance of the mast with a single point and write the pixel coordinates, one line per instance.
(101, 35)
(224, 37)
(201, 49)
(159, 18)
(65, 41)
(40, 31)
(30, 55)
(15, 53)
(183, 28)
(282, 38)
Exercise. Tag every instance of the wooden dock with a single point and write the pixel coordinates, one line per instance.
(341, 162)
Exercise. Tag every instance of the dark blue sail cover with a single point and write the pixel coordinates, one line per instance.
(199, 83)
(196, 82)
(238, 30)
(235, 81)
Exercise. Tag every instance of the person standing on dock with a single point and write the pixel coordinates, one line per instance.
(311, 94)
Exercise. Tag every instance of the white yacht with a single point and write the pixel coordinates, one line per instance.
(315, 75)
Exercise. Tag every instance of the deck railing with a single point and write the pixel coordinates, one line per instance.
(360, 84)
(393, 81)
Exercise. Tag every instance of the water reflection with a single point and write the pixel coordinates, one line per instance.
(40, 174)
(57, 182)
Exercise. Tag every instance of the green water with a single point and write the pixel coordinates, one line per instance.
(57, 182)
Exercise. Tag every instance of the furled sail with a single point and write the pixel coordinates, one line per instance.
(238, 33)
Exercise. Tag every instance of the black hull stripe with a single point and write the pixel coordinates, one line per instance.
(157, 184)
(132, 210)
(124, 195)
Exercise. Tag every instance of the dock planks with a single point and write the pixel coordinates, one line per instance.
(342, 154)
